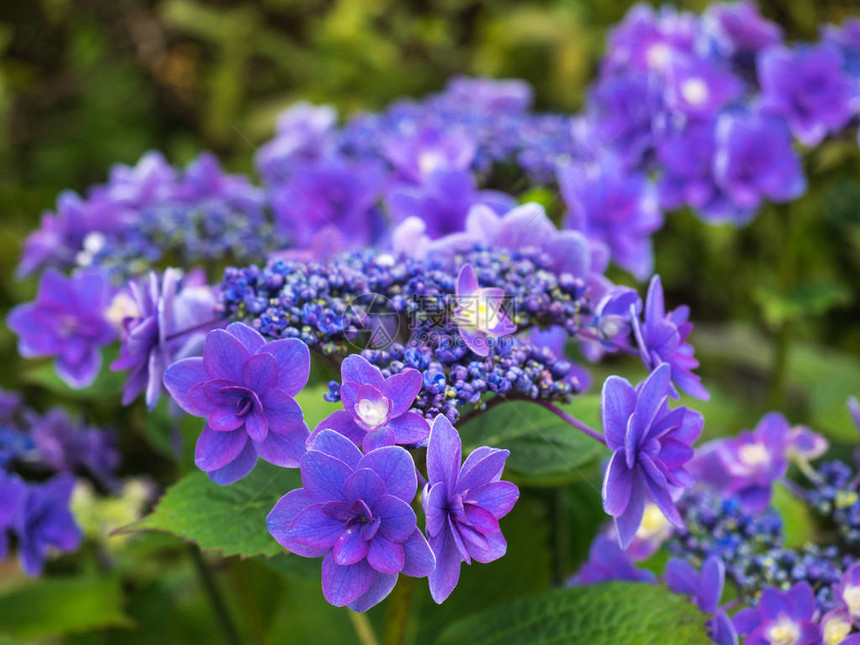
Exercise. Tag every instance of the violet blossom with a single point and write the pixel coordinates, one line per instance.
(780, 617)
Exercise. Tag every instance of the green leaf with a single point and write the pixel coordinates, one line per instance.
(798, 526)
(545, 450)
(603, 614)
(58, 606)
(230, 519)
(807, 299)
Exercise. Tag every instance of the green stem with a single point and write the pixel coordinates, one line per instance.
(363, 628)
(219, 607)
(779, 367)
(398, 612)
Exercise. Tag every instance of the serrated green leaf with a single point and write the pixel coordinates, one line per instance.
(603, 614)
(545, 450)
(230, 519)
(58, 606)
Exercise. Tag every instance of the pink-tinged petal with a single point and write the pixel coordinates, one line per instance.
(481, 519)
(385, 556)
(628, 522)
(217, 449)
(225, 419)
(419, 559)
(379, 438)
(443, 453)
(398, 518)
(617, 486)
(294, 363)
(497, 546)
(350, 547)
(282, 515)
(342, 423)
(446, 574)
(224, 355)
(344, 584)
(382, 585)
(313, 528)
(396, 469)
(281, 410)
(256, 426)
(435, 508)
(497, 497)
(402, 389)
(338, 446)
(617, 402)
(236, 469)
(260, 373)
(323, 476)
(409, 428)
(247, 335)
(364, 485)
(457, 539)
(183, 376)
(474, 540)
(484, 471)
(284, 449)
(357, 369)
(467, 281)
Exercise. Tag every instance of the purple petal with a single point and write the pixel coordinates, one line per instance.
(338, 446)
(225, 419)
(497, 546)
(402, 389)
(443, 453)
(224, 355)
(713, 579)
(357, 369)
(294, 363)
(396, 469)
(773, 603)
(617, 485)
(364, 485)
(80, 373)
(217, 449)
(419, 558)
(323, 476)
(617, 402)
(445, 576)
(628, 522)
(467, 281)
(681, 577)
(282, 515)
(376, 439)
(342, 423)
(381, 586)
(350, 546)
(284, 449)
(281, 410)
(248, 336)
(313, 528)
(260, 373)
(256, 426)
(385, 556)
(482, 472)
(236, 469)
(343, 585)
(497, 497)
(482, 519)
(398, 518)
(435, 508)
(180, 378)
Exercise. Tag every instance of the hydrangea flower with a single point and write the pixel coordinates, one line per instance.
(739, 29)
(808, 88)
(44, 522)
(204, 179)
(167, 322)
(614, 207)
(606, 562)
(805, 444)
(376, 409)
(463, 505)
(493, 95)
(479, 313)
(755, 160)
(699, 89)
(836, 626)
(662, 339)
(353, 510)
(244, 387)
(417, 156)
(650, 444)
(780, 617)
(705, 588)
(303, 131)
(67, 320)
(848, 591)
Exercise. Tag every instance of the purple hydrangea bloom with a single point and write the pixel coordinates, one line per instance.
(651, 445)
(488, 94)
(479, 313)
(705, 587)
(67, 320)
(780, 617)
(244, 387)
(463, 505)
(738, 28)
(606, 562)
(662, 339)
(45, 522)
(753, 461)
(204, 179)
(12, 493)
(755, 160)
(332, 192)
(66, 446)
(615, 207)
(699, 89)
(443, 201)
(836, 625)
(168, 322)
(376, 409)
(303, 131)
(808, 88)
(151, 180)
(847, 592)
(805, 444)
(354, 511)
(418, 156)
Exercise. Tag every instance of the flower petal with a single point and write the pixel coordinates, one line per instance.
(419, 558)
(294, 363)
(217, 449)
(260, 373)
(313, 528)
(396, 469)
(323, 476)
(282, 515)
(364, 485)
(338, 446)
(236, 469)
(402, 389)
(385, 556)
(398, 518)
(357, 369)
(484, 471)
(344, 584)
(247, 335)
(224, 355)
(446, 574)
(409, 428)
(443, 453)
(350, 546)
(497, 497)
(284, 449)
(180, 378)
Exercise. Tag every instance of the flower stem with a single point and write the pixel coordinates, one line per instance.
(219, 607)
(363, 628)
(572, 420)
(793, 488)
(201, 326)
(397, 617)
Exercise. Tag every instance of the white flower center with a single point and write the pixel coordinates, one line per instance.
(479, 312)
(754, 454)
(654, 523)
(658, 55)
(694, 91)
(784, 632)
(851, 596)
(372, 412)
(835, 630)
(429, 161)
